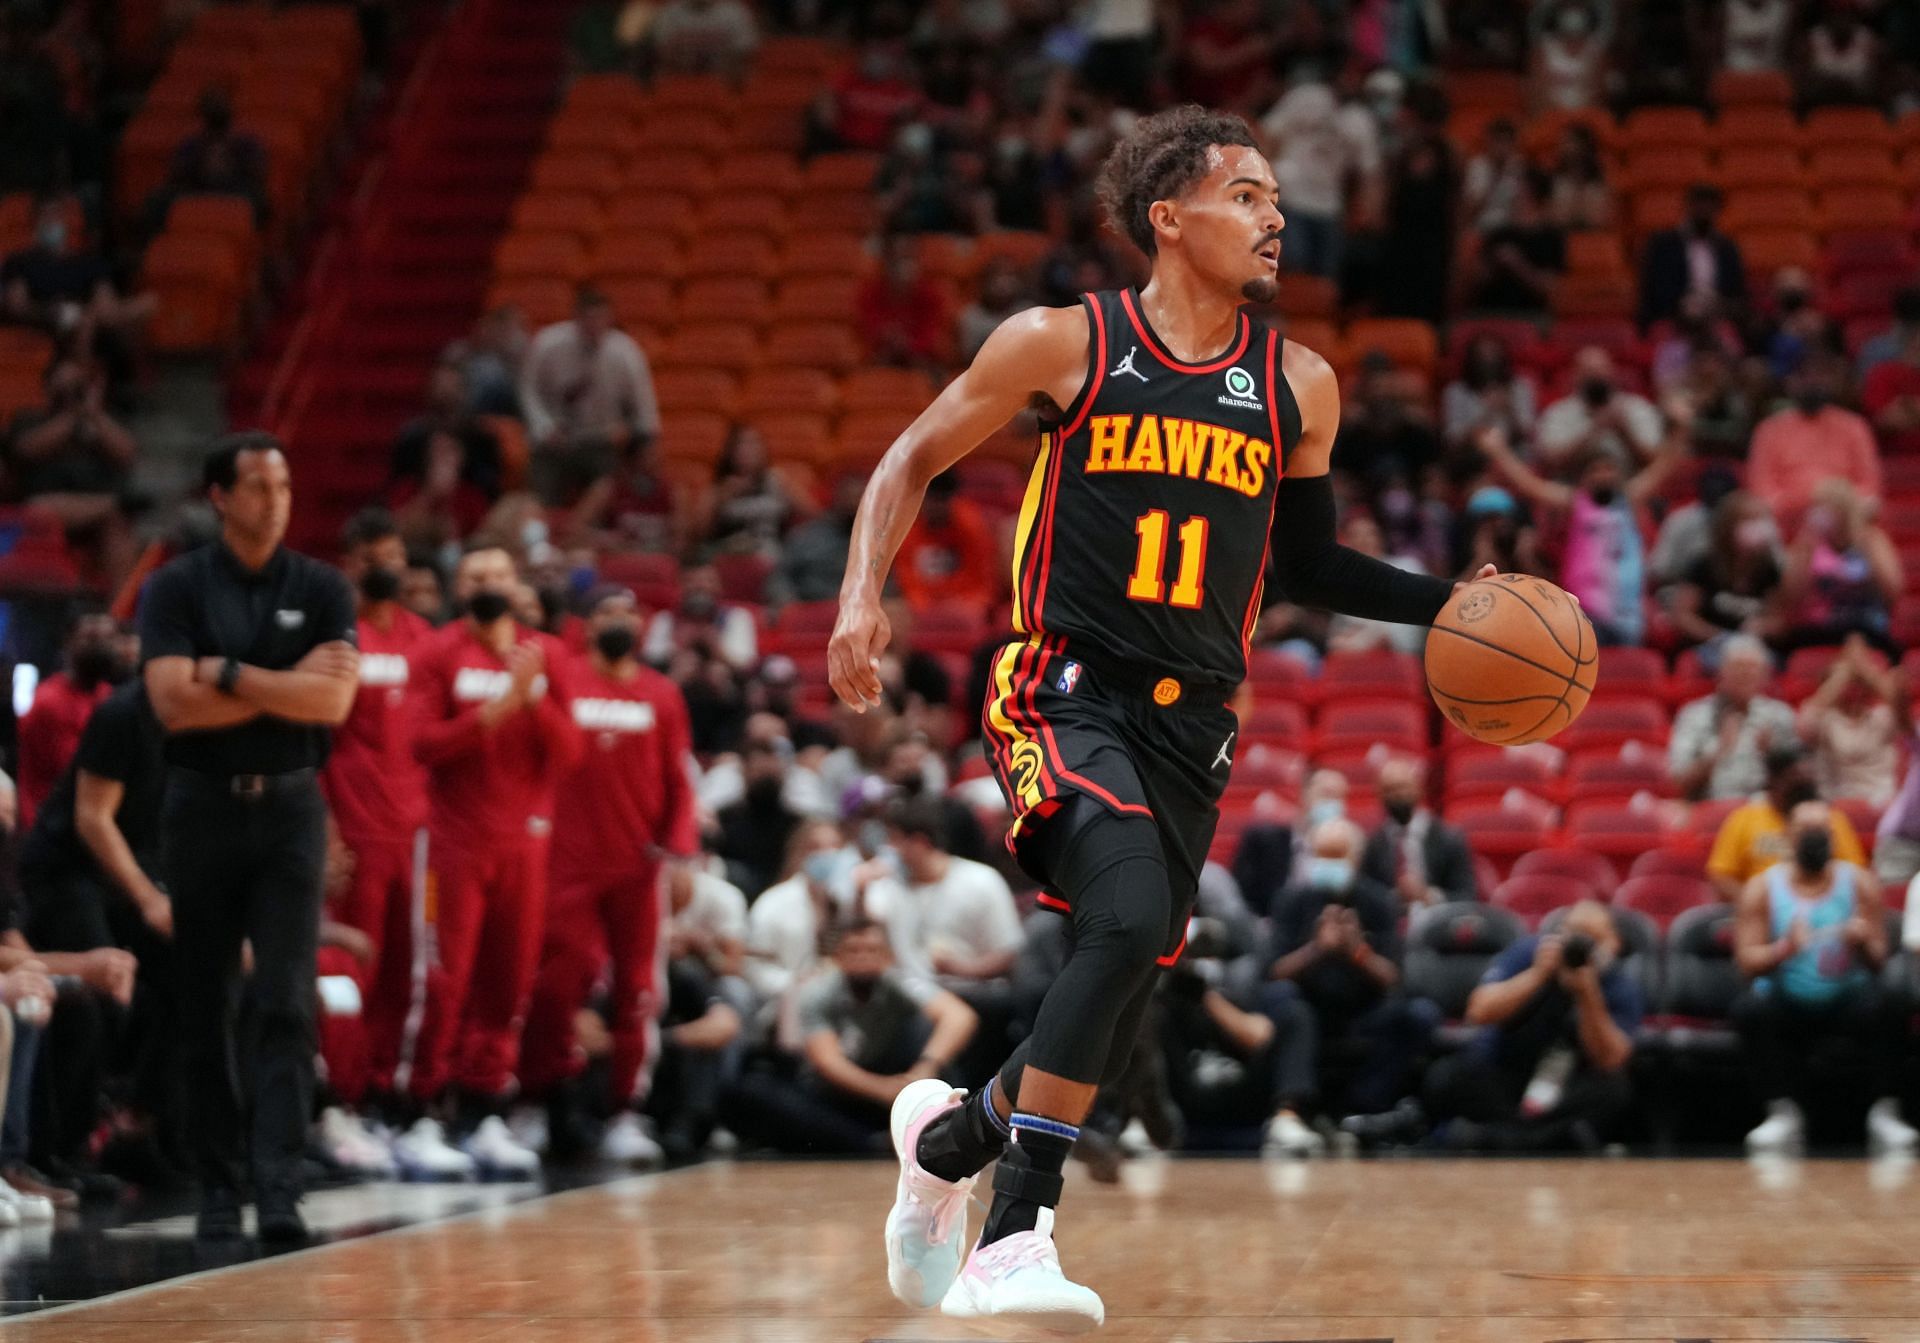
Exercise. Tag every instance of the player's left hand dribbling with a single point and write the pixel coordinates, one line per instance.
(860, 635)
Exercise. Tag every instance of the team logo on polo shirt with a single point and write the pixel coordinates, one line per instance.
(481, 685)
(290, 620)
(611, 717)
(383, 669)
(1069, 678)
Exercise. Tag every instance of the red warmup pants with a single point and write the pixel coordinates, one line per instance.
(618, 919)
(485, 906)
(383, 901)
(343, 1039)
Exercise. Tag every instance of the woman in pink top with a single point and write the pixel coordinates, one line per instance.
(1842, 576)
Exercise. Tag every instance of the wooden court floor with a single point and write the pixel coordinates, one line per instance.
(1207, 1251)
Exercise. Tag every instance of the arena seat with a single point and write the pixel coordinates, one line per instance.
(1701, 984)
(1449, 947)
(1579, 865)
(1532, 898)
(1614, 829)
(1663, 897)
(1610, 771)
(1669, 861)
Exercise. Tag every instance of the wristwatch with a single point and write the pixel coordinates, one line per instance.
(229, 673)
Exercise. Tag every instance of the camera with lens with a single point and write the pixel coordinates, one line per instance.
(1576, 950)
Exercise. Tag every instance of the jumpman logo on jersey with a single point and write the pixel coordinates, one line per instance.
(1223, 758)
(1126, 366)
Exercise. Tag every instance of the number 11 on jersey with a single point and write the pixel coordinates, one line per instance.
(1147, 584)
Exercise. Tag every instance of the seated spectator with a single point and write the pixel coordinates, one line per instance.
(902, 315)
(814, 558)
(1226, 58)
(1811, 937)
(1754, 838)
(1580, 199)
(1668, 65)
(1085, 259)
(1854, 724)
(1414, 853)
(75, 460)
(1548, 1070)
(699, 1028)
(949, 553)
(1754, 35)
(97, 659)
(703, 37)
(917, 189)
(1896, 849)
(753, 832)
(1272, 856)
(1570, 65)
(1495, 531)
(1488, 391)
(1698, 330)
(1333, 967)
(752, 504)
(63, 287)
(1890, 396)
(1733, 587)
(632, 508)
(786, 921)
(708, 923)
(1720, 744)
(1521, 260)
(1001, 293)
(1795, 329)
(1725, 407)
(1019, 186)
(438, 503)
(449, 411)
(705, 623)
(1694, 258)
(490, 361)
(869, 99)
(867, 1032)
(1388, 429)
(217, 160)
(1842, 575)
(1813, 440)
(1598, 413)
(1495, 180)
(1420, 234)
(1603, 554)
(1687, 532)
(1357, 634)
(588, 395)
(1899, 341)
(1325, 154)
(1842, 60)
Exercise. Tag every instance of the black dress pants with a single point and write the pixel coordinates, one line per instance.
(246, 870)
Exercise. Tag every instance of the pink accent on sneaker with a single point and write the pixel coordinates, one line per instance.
(946, 1199)
(1023, 1249)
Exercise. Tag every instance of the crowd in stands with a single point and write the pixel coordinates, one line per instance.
(1617, 298)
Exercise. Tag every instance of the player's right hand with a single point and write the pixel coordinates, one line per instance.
(860, 636)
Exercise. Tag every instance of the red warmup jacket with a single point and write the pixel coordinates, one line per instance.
(630, 795)
(49, 735)
(489, 786)
(377, 790)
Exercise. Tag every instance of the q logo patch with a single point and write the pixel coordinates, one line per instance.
(1477, 606)
(1026, 770)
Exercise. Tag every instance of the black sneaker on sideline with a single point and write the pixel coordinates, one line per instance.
(219, 1215)
(280, 1220)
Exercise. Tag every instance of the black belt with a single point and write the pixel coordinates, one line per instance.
(253, 787)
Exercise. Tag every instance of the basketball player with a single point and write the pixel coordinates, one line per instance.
(1179, 444)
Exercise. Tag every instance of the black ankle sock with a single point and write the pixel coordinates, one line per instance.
(1030, 1176)
(964, 1140)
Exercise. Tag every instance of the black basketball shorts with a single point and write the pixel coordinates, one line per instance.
(1136, 742)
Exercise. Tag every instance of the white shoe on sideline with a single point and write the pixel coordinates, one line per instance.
(627, 1142)
(424, 1154)
(1287, 1136)
(927, 1226)
(24, 1206)
(352, 1146)
(1887, 1131)
(496, 1153)
(1783, 1130)
(1018, 1279)
(528, 1125)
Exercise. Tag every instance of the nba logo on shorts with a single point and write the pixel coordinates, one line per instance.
(1069, 678)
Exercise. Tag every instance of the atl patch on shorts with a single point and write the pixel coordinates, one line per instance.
(1137, 743)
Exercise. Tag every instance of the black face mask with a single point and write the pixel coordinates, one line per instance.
(1812, 851)
(615, 642)
(1811, 403)
(1795, 794)
(379, 584)
(861, 986)
(1604, 495)
(1596, 392)
(1400, 808)
(487, 606)
(764, 794)
(94, 663)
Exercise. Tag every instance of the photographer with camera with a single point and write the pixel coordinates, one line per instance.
(1548, 1070)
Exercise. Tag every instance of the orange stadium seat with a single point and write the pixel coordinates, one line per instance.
(540, 301)
(809, 343)
(1542, 134)
(864, 436)
(1849, 128)
(592, 172)
(1831, 167)
(1744, 89)
(777, 128)
(655, 212)
(1407, 341)
(795, 436)
(696, 93)
(639, 300)
(229, 218)
(847, 170)
(947, 257)
(1773, 209)
(886, 389)
(199, 285)
(1768, 251)
(1757, 127)
(816, 298)
(1657, 208)
(668, 170)
(1760, 167)
(727, 345)
(1596, 252)
(833, 211)
(710, 390)
(557, 212)
(591, 132)
(1848, 208)
(1666, 127)
(694, 435)
(780, 390)
(710, 300)
(758, 175)
(680, 130)
(1666, 165)
(1311, 296)
(25, 351)
(825, 254)
(1023, 248)
(778, 89)
(559, 256)
(740, 254)
(610, 95)
(815, 56)
(1495, 89)
(1322, 337)
(1600, 294)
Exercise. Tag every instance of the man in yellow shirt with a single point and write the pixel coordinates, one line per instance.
(1754, 838)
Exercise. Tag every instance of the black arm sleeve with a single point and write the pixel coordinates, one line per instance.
(1313, 569)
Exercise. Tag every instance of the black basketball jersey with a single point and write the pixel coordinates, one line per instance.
(1143, 534)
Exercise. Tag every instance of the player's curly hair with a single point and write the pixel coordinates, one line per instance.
(1162, 156)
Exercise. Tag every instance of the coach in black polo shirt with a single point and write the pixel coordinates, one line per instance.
(250, 663)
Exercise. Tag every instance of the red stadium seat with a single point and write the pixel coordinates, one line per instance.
(1276, 720)
(1607, 772)
(1663, 897)
(949, 627)
(1612, 829)
(1581, 865)
(1532, 898)
(1616, 721)
(1396, 724)
(1502, 835)
(1668, 862)
(1381, 673)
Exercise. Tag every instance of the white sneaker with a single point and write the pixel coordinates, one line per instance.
(1018, 1280)
(1887, 1131)
(628, 1143)
(1782, 1130)
(927, 1226)
(352, 1145)
(1134, 1140)
(496, 1153)
(24, 1206)
(9, 1215)
(1287, 1136)
(424, 1154)
(528, 1125)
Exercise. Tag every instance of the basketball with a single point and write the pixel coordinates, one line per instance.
(1511, 659)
